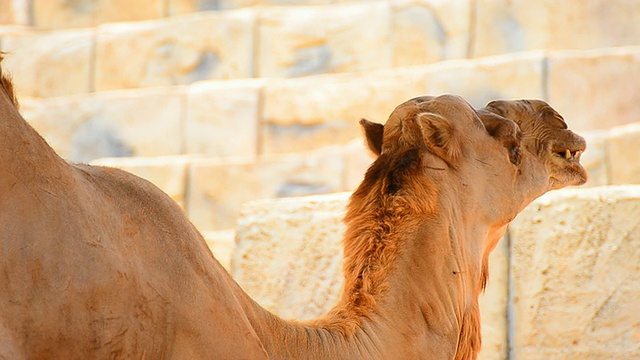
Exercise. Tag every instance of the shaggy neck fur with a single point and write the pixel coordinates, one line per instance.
(408, 277)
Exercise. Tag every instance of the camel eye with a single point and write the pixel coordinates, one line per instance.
(514, 154)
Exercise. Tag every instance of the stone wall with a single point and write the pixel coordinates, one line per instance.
(104, 53)
(575, 266)
(259, 116)
(563, 284)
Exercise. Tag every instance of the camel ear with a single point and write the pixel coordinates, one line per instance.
(441, 136)
(373, 133)
(504, 130)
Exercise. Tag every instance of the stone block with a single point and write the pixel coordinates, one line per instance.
(14, 12)
(221, 243)
(576, 274)
(177, 50)
(289, 258)
(622, 154)
(428, 31)
(222, 118)
(591, 89)
(169, 173)
(482, 80)
(289, 254)
(88, 13)
(316, 111)
(82, 128)
(504, 26)
(49, 63)
(595, 158)
(217, 188)
(316, 40)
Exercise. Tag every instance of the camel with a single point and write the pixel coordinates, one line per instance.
(98, 263)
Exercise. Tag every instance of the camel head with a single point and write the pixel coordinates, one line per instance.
(496, 160)
(546, 135)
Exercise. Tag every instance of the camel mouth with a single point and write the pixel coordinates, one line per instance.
(568, 154)
(565, 168)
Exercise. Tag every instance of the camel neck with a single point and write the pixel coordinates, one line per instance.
(425, 299)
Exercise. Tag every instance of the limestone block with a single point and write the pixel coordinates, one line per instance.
(575, 261)
(316, 111)
(177, 50)
(515, 25)
(222, 118)
(49, 63)
(217, 189)
(592, 88)
(482, 80)
(14, 12)
(111, 124)
(221, 243)
(169, 173)
(289, 253)
(87, 13)
(289, 258)
(427, 31)
(316, 40)
(595, 158)
(622, 157)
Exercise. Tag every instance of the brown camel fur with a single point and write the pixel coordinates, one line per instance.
(97, 263)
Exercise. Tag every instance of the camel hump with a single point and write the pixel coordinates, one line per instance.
(25, 154)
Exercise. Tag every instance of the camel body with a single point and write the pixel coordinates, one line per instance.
(98, 263)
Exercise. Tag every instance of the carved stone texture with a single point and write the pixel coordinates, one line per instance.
(575, 261)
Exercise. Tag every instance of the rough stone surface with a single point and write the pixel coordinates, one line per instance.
(504, 26)
(622, 154)
(592, 89)
(575, 260)
(311, 112)
(217, 188)
(289, 254)
(222, 244)
(177, 50)
(427, 31)
(222, 118)
(289, 258)
(85, 13)
(169, 173)
(482, 80)
(49, 63)
(111, 124)
(316, 40)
